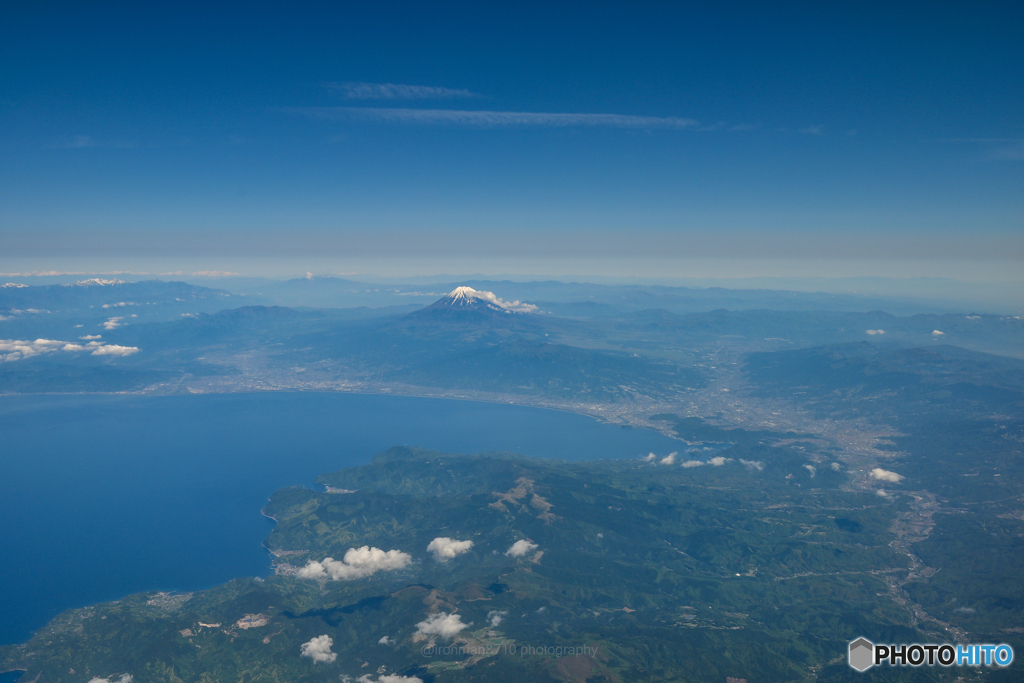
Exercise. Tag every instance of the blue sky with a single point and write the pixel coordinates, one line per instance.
(622, 138)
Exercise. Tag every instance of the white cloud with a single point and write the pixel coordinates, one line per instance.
(649, 457)
(441, 624)
(385, 641)
(445, 548)
(395, 91)
(493, 119)
(885, 475)
(752, 465)
(388, 678)
(938, 333)
(836, 466)
(125, 678)
(16, 349)
(115, 350)
(113, 323)
(812, 469)
(669, 459)
(29, 348)
(521, 547)
(319, 650)
(496, 617)
(875, 331)
(92, 336)
(717, 461)
(358, 563)
(882, 493)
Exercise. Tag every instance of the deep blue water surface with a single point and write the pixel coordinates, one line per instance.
(102, 496)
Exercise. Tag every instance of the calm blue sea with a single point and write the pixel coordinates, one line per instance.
(102, 496)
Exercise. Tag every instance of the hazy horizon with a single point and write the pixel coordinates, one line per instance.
(988, 294)
(400, 140)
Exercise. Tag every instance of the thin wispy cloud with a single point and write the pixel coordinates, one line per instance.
(49, 273)
(492, 119)
(813, 130)
(1000, 149)
(981, 140)
(83, 141)
(724, 125)
(1012, 152)
(395, 91)
(89, 142)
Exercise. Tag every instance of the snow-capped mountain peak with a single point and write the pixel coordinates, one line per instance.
(96, 282)
(13, 285)
(464, 297)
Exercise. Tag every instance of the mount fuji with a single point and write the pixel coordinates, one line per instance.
(468, 303)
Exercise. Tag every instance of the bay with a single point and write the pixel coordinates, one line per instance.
(103, 496)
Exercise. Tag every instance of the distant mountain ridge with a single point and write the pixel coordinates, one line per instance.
(96, 292)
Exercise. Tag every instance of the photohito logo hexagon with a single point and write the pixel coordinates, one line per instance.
(862, 654)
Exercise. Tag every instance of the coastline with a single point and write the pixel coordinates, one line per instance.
(621, 417)
(111, 402)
